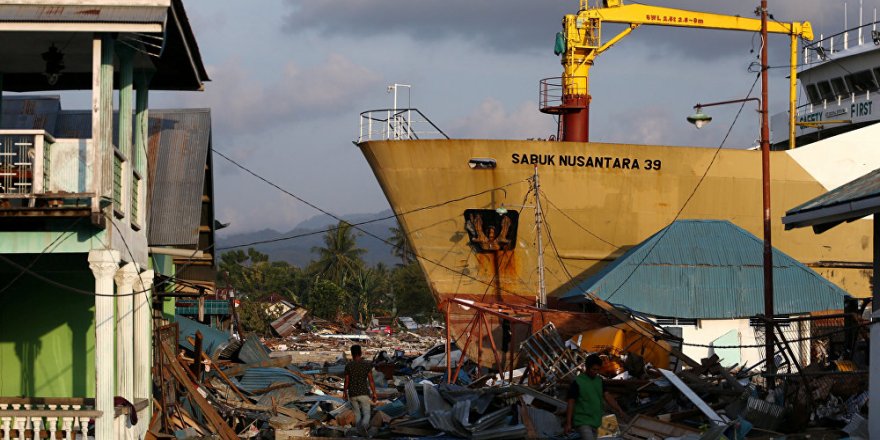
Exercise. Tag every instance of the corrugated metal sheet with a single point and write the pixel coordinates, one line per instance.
(253, 351)
(393, 409)
(864, 187)
(255, 379)
(178, 151)
(707, 269)
(851, 201)
(31, 113)
(213, 340)
(286, 323)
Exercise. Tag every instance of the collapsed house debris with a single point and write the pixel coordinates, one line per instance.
(210, 384)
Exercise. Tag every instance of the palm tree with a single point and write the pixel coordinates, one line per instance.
(401, 247)
(369, 292)
(340, 255)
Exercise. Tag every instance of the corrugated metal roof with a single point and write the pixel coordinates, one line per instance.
(30, 113)
(707, 269)
(255, 379)
(850, 201)
(862, 188)
(179, 144)
(69, 13)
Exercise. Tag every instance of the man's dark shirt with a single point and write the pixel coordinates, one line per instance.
(357, 372)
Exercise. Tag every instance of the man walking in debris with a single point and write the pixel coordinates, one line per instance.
(359, 388)
(585, 396)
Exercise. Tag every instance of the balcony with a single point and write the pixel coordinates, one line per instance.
(36, 418)
(41, 176)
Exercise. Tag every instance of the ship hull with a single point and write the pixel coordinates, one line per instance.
(600, 199)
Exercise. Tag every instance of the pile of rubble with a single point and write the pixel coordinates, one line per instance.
(210, 384)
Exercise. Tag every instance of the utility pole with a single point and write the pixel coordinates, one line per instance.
(769, 338)
(542, 292)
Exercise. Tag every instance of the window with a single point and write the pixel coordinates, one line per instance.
(825, 90)
(839, 86)
(677, 321)
(813, 94)
(861, 82)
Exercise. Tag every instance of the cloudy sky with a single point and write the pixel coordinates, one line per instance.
(290, 77)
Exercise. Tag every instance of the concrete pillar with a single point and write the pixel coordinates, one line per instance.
(125, 278)
(104, 264)
(143, 338)
(143, 332)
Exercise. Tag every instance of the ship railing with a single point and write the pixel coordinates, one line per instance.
(397, 124)
(559, 93)
(821, 50)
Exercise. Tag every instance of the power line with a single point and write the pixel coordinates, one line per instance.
(28, 270)
(63, 234)
(691, 196)
(436, 263)
(564, 214)
(306, 234)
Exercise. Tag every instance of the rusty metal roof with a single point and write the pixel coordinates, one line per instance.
(707, 269)
(850, 201)
(124, 12)
(179, 144)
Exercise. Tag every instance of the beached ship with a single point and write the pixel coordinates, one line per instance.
(495, 220)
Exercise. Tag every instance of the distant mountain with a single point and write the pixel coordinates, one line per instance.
(310, 233)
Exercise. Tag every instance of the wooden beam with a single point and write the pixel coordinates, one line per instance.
(217, 422)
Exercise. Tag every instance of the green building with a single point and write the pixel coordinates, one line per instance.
(75, 252)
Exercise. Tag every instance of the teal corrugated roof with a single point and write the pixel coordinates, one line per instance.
(864, 187)
(848, 202)
(707, 269)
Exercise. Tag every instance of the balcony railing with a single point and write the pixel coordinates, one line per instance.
(38, 171)
(37, 418)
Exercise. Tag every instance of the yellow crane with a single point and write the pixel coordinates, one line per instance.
(581, 42)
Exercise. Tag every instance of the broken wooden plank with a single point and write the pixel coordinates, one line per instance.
(289, 412)
(179, 373)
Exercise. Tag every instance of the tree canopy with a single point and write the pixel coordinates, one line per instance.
(336, 283)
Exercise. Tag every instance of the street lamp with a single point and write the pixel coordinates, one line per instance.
(700, 119)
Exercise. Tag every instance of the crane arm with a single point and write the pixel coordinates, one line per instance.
(662, 16)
